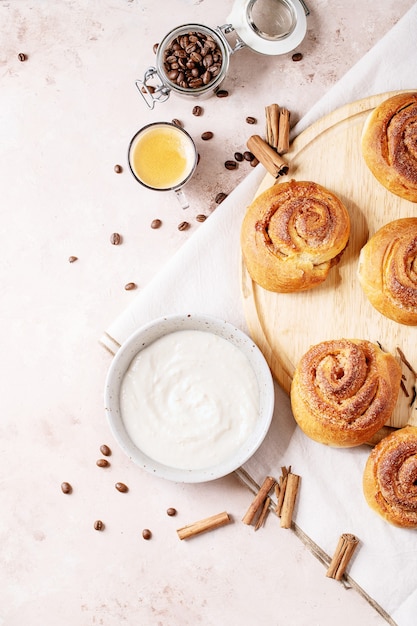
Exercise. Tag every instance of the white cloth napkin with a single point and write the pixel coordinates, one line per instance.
(203, 277)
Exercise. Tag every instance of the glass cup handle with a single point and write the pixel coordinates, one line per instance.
(181, 197)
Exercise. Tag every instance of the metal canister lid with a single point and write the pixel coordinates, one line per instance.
(270, 27)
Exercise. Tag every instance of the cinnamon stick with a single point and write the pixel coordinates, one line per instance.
(281, 493)
(284, 131)
(272, 124)
(291, 489)
(263, 514)
(346, 546)
(406, 362)
(259, 499)
(270, 159)
(209, 523)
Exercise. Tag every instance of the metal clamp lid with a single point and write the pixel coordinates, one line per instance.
(270, 27)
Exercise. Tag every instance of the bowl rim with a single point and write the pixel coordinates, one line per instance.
(143, 337)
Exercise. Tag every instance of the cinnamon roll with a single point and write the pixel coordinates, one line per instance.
(390, 478)
(389, 144)
(387, 270)
(292, 234)
(343, 391)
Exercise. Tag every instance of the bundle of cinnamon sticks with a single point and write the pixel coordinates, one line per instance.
(285, 488)
(268, 151)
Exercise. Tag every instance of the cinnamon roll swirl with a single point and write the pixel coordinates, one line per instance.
(389, 144)
(387, 270)
(343, 391)
(292, 234)
(390, 478)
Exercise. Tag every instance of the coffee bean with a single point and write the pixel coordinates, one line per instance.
(102, 463)
(177, 122)
(207, 135)
(230, 165)
(238, 156)
(21, 56)
(155, 47)
(98, 525)
(104, 449)
(121, 487)
(156, 223)
(197, 54)
(130, 286)
(248, 156)
(115, 239)
(297, 56)
(254, 162)
(201, 217)
(222, 93)
(183, 226)
(66, 488)
(251, 120)
(146, 533)
(197, 111)
(118, 169)
(171, 511)
(72, 259)
(220, 197)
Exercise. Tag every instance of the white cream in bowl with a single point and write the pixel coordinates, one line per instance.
(190, 399)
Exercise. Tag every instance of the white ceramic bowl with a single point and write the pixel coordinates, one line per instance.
(144, 337)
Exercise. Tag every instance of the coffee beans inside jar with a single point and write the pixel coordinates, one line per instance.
(192, 60)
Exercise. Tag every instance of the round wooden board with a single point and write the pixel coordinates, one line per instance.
(284, 326)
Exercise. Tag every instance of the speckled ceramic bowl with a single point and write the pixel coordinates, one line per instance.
(150, 333)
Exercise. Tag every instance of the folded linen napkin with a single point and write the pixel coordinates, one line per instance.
(205, 272)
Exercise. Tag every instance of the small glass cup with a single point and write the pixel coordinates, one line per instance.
(162, 156)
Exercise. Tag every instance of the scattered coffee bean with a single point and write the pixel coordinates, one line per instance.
(155, 47)
(148, 88)
(254, 162)
(72, 259)
(146, 533)
(238, 156)
(102, 463)
(130, 286)
(183, 226)
(207, 135)
(104, 449)
(98, 525)
(192, 60)
(156, 223)
(115, 239)
(171, 511)
(222, 93)
(248, 156)
(177, 122)
(66, 488)
(197, 111)
(118, 169)
(251, 120)
(201, 217)
(121, 487)
(21, 56)
(230, 165)
(297, 56)
(220, 197)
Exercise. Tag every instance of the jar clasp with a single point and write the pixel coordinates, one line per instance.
(152, 93)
